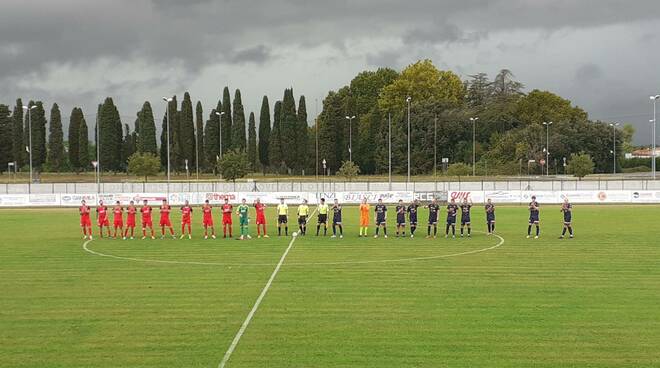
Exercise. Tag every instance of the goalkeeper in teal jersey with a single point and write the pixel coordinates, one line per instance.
(242, 211)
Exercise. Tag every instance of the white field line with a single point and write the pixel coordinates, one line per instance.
(248, 319)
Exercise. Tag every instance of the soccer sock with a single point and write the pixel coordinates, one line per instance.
(570, 230)
(453, 229)
(435, 230)
(152, 232)
(325, 229)
(334, 229)
(412, 230)
(492, 227)
(189, 230)
(377, 228)
(318, 228)
(469, 230)
(171, 230)
(428, 230)
(563, 231)
(447, 229)
(529, 230)
(286, 230)
(183, 229)
(461, 230)
(341, 230)
(264, 228)
(361, 230)
(385, 230)
(538, 230)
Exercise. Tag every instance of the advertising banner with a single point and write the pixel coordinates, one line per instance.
(476, 196)
(74, 200)
(504, 196)
(276, 197)
(371, 197)
(645, 196)
(44, 199)
(429, 196)
(14, 200)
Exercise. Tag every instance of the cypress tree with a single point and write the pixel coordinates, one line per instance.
(18, 146)
(146, 129)
(274, 145)
(128, 146)
(212, 137)
(289, 129)
(6, 147)
(226, 121)
(163, 142)
(74, 138)
(238, 123)
(110, 136)
(38, 118)
(187, 131)
(55, 154)
(83, 144)
(302, 134)
(199, 131)
(264, 132)
(174, 137)
(252, 142)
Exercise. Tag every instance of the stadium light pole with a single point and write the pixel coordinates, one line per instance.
(29, 111)
(547, 147)
(474, 145)
(98, 156)
(389, 150)
(408, 101)
(350, 137)
(435, 147)
(614, 125)
(167, 112)
(220, 114)
(654, 98)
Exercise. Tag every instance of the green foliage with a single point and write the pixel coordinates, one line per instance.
(274, 146)
(143, 164)
(17, 137)
(212, 138)
(186, 132)
(55, 155)
(459, 169)
(6, 124)
(110, 136)
(226, 121)
(580, 165)
(38, 122)
(74, 138)
(199, 136)
(252, 142)
(264, 133)
(301, 136)
(627, 133)
(348, 170)
(234, 165)
(83, 144)
(289, 130)
(238, 124)
(543, 106)
(146, 129)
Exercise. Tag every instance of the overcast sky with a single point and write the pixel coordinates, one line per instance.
(604, 55)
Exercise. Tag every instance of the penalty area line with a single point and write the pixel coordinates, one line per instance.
(248, 319)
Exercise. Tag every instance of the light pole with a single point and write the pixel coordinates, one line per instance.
(408, 101)
(474, 145)
(29, 111)
(435, 146)
(196, 158)
(614, 125)
(97, 166)
(547, 147)
(220, 132)
(654, 98)
(167, 112)
(389, 150)
(350, 137)
(323, 180)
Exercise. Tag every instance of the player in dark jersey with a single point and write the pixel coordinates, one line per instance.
(490, 216)
(567, 209)
(400, 219)
(465, 216)
(336, 220)
(412, 217)
(533, 218)
(434, 208)
(452, 210)
(381, 217)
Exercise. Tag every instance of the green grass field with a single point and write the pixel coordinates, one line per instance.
(593, 301)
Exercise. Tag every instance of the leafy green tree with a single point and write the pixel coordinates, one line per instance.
(333, 131)
(55, 152)
(128, 145)
(627, 133)
(234, 165)
(301, 135)
(274, 146)
(289, 129)
(252, 142)
(580, 165)
(212, 137)
(539, 106)
(143, 164)
(264, 133)
(459, 169)
(226, 121)
(146, 129)
(238, 123)
(74, 137)
(199, 131)
(83, 144)
(110, 136)
(187, 131)
(348, 170)
(504, 86)
(18, 146)
(6, 125)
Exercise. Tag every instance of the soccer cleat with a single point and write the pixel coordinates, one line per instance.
(333, 236)
(375, 236)
(469, 235)
(385, 236)
(561, 237)
(536, 237)
(189, 236)
(461, 235)
(453, 236)
(266, 236)
(182, 235)
(90, 237)
(206, 236)
(144, 237)
(258, 236)
(124, 238)
(173, 236)
(412, 235)
(341, 237)
(241, 238)
(131, 238)
(527, 236)
(213, 236)
(162, 236)
(248, 236)
(571, 236)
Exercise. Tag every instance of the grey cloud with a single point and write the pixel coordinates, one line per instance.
(257, 54)
(587, 73)
(441, 33)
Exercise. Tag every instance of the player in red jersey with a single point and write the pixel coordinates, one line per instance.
(130, 219)
(147, 222)
(164, 222)
(85, 220)
(118, 219)
(227, 210)
(261, 218)
(186, 219)
(102, 216)
(207, 220)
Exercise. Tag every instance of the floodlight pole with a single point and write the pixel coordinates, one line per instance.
(408, 101)
(167, 112)
(474, 145)
(389, 150)
(653, 168)
(614, 125)
(547, 147)
(350, 137)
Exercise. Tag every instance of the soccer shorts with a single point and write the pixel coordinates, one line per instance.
(118, 223)
(534, 219)
(401, 221)
(282, 219)
(147, 223)
(381, 221)
(434, 220)
(336, 220)
(413, 221)
(226, 220)
(465, 220)
(130, 222)
(165, 222)
(364, 221)
(85, 221)
(184, 221)
(323, 219)
(490, 218)
(451, 220)
(261, 219)
(243, 221)
(302, 220)
(567, 218)
(104, 222)
(207, 221)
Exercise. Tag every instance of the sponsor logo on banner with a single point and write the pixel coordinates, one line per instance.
(429, 196)
(75, 199)
(387, 197)
(504, 196)
(215, 197)
(459, 196)
(44, 199)
(14, 200)
(541, 197)
(276, 197)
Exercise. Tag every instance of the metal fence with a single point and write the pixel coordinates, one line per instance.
(330, 186)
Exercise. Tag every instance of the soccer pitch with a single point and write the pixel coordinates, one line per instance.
(487, 301)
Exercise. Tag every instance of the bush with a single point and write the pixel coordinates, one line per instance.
(459, 169)
(636, 169)
(234, 165)
(143, 164)
(580, 165)
(348, 170)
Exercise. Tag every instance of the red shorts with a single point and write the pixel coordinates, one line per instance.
(119, 223)
(85, 221)
(261, 219)
(185, 221)
(104, 222)
(207, 221)
(165, 222)
(130, 222)
(226, 219)
(147, 223)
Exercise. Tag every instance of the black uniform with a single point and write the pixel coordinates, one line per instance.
(380, 210)
(452, 210)
(433, 213)
(400, 215)
(412, 214)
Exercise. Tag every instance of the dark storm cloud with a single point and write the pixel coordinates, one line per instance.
(257, 54)
(588, 72)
